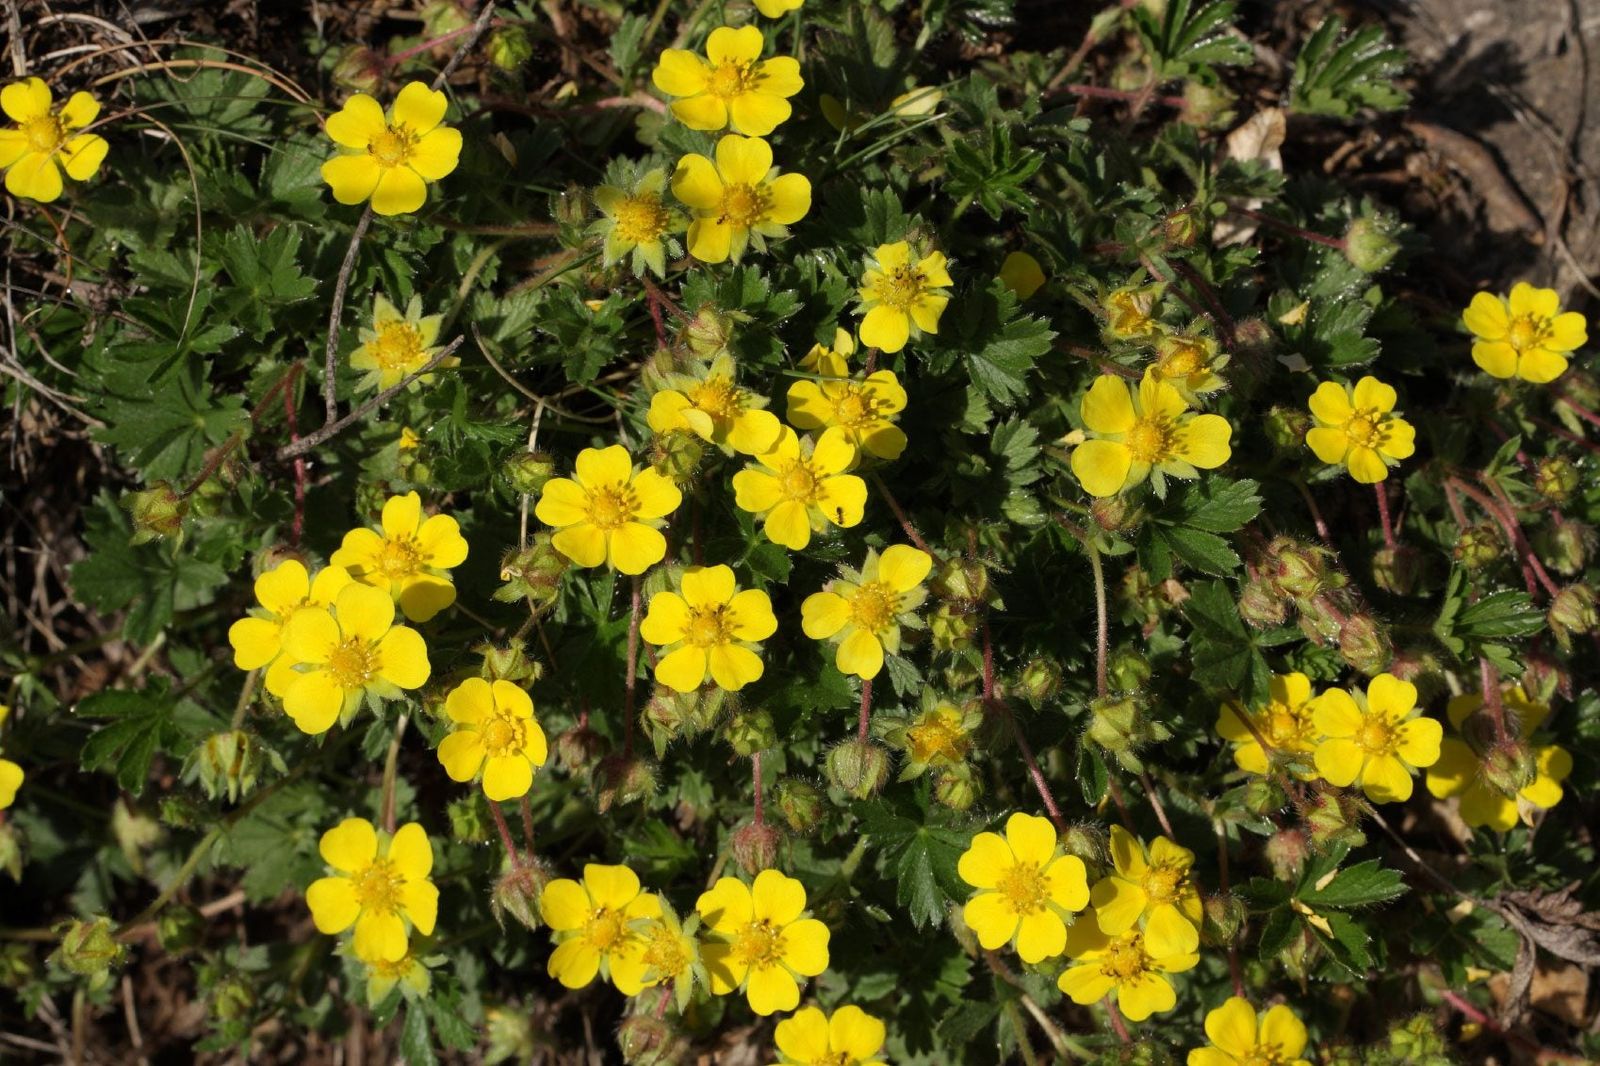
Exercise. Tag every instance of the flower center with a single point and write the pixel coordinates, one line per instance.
(717, 397)
(1376, 736)
(1024, 887)
(353, 663)
(1184, 359)
(854, 407)
(833, 1058)
(1125, 959)
(874, 606)
(1283, 728)
(760, 946)
(398, 346)
(502, 734)
(45, 133)
(1150, 439)
(1162, 883)
(641, 218)
(709, 626)
(393, 146)
(378, 887)
(902, 287)
(664, 952)
(1265, 1055)
(1127, 318)
(399, 557)
(605, 930)
(1365, 428)
(732, 79)
(937, 737)
(798, 481)
(611, 507)
(743, 206)
(1526, 332)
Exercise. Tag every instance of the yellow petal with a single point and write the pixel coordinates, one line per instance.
(757, 114)
(333, 904)
(349, 846)
(419, 108)
(667, 619)
(1330, 404)
(633, 548)
(1498, 359)
(861, 653)
(1486, 317)
(1339, 761)
(505, 777)
(1032, 839)
(419, 900)
(823, 614)
(34, 177)
(696, 184)
(562, 503)
(610, 886)
(564, 905)
(1040, 935)
(583, 543)
(1203, 441)
(903, 568)
(1280, 1026)
(314, 701)
(403, 658)
(25, 100)
(776, 898)
(351, 177)
(82, 155)
(682, 670)
(737, 46)
(680, 72)
(462, 754)
(733, 667)
(885, 328)
(399, 191)
(410, 852)
(790, 199)
(1373, 395)
(708, 586)
(1101, 466)
(437, 154)
(1541, 366)
(985, 860)
(574, 963)
(743, 160)
(703, 112)
(1390, 696)
(357, 123)
(362, 611)
(855, 1033)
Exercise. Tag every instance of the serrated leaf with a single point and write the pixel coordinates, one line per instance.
(1204, 551)
(141, 724)
(1218, 505)
(1364, 883)
(416, 1042)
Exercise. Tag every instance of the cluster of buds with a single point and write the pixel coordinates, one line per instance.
(672, 715)
(964, 592)
(532, 574)
(90, 949)
(508, 662)
(525, 473)
(1333, 817)
(1572, 613)
(1293, 574)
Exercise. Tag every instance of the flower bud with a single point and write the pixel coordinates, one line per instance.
(1299, 570)
(1181, 228)
(750, 730)
(11, 850)
(1565, 545)
(16, 965)
(90, 949)
(676, 455)
(709, 333)
(1417, 1041)
(359, 68)
(1207, 106)
(1128, 668)
(1556, 478)
(469, 818)
(1116, 514)
(799, 802)
(1509, 766)
(517, 893)
(511, 1036)
(953, 629)
(232, 998)
(1262, 605)
(1040, 680)
(580, 749)
(1542, 678)
(228, 764)
(957, 787)
(179, 928)
(963, 583)
(1396, 570)
(1572, 612)
(1479, 546)
(1263, 795)
(157, 512)
(859, 767)
(508, 662)
(1369, 246)
(527, 472)
(182, 812)
(1286, 851)
(1287, 427)
(509, 48)
(1121, 725)
(1086, 840)
(1334, 818)
(532, 574)
(440, 17)
(1364, 644)
(623, 780)
(646, 1040)
(755, 846)
(1224, 919)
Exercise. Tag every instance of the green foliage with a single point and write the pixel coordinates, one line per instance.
(1338, 73)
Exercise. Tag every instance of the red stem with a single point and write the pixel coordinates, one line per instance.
(755, 776)
(905, 523)
(633, 670)
(1101, 92)
(1540, 1054)
(1316, 515)
(1289, 227)
(992, 702)
(1578, 409)
(1489, 682)
(1569, 437)
(1383, 515)
(1117, 1023)
(527, 823)
(417, 49)
(505, 834)
(866, 710)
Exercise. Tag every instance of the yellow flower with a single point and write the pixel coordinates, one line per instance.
(1152, 888)
(1130, 312)
(1462, 771)
(901, 299)
(11, 776)
(1357, 429)
(1027, 891)
(850, 1037)
(713, 408)
(380, 885)
(709, 627)
(1133, 965)
(639, 222)
(778, 8)
(865, 410)
(285, 589)
(831, 362)
(1022, 274)
(350, 651)
(1144, 430)
(608, 512)
(397, 345)
(736, 88)
(1524, 336)
(761, 940)
(1284, 724)
(1239, 1038)
(1189, 363)
(495, 731)
(662, 952)
(390, 160)
(407, 556)
(802, 490)
(738, 201)
(594, 922)
(43, 144)
(407, 972)
(939, 735)
(864, 611)
(1374, 739)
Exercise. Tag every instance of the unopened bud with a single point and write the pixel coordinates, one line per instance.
(359, 68)
(709, 333)
(532, 574)
(517, 893)
(1479, 546)
(1262, 605)
(1039, 681)
(1287, 850)
(1181, 228)
(1556, 478)
(755, 846)
(1542, 678)
(157, 512)
(1086, 840)
(1224, 919)
(1509, 766)
(800, 803)
(90, 949)
(750, 730)
(232, 997)
(1369, 246)
(509, 48)
(1122, 725)
(623, 780)
(1565, 545)
(676, 455)
(646, 1040)
(1572, 612)
(1116, 514)
(228, 764)
(1287, 427)
(1397, 569)
(1129, 668)
(1299, 570)
(952, 629)
(440, 17)
(963, 583)
(182, 812)
(1418, 1042)
(859, 767)
(1364, 644)
(527, 472)
(507, 662)
(1206, 106)
(17, 969)
(957, 787)
(580, 749)
(1333, 819)
(1263, 795)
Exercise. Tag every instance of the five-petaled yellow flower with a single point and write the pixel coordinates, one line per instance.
(1022, 274)
(739, 200)
(1150, 888)
(608, 512)
(1357, 428)
(1284, 726)
(709, 628)
(801, 489)
(408, 556)
(350, 651)
(900, 299)
(850, 1037)
(831, 362)
(43, 142)
(390, 159)
(1525, 335)
(286, 588)
(1141, 432)
(761, 941)
(1374, 739)
(865, 410)
(1505, 779)
(380, 885)
(639, 222)
(939, 735)
(713, 408)
(736, 88)
(594, 922)
(864, 611)
(1133, 966)
(1028, 892)
(495, 732)
(1239, 1038)
(397, 344)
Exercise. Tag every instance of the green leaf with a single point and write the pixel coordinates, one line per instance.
(1093, 777)
(1224, 652)
(999, 346)
(1364, 883)
(923, 858)
(141, 725)
(1204, 551)
(1183, 40)
(1337, 74)
(416, 1042)
(1218, 505)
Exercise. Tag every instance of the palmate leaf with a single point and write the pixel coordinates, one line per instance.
(1185, 38)
(1337, 74)
(920, 856)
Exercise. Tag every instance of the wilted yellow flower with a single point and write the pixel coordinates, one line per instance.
(863, 611)
(850, 1037)
(1130, 312)
(258, 639)
(900, 299)
(1525, 335)
(408, 973)
(1144, 430)
(1028, 892)
(1358, 429)
(639, 221)
(663, 951)
(1239, 1038)
(346, 653)
(1189, 363)
(1133, 966)
(1284, 724)
(397, 345)
(408, 556)
(802, 489)
(495, 732)
(938, 735)
(709, 629)
(865, 410)
(1375, 739)
(1022, 274)
(739, 200)
(735, 88)
(1151, 888)
(713, 408)
(608, 512)
(594, 922)
(390, 160)
(761, 940)
(1482, 786)
(380, 885)
(42, 145)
